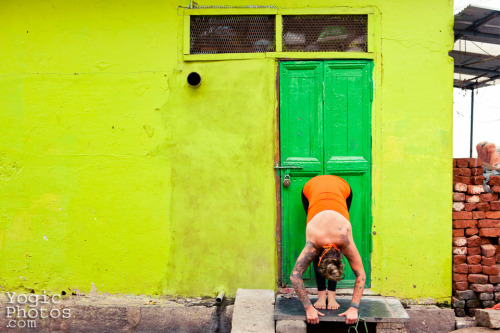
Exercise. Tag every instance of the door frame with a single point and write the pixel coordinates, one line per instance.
(277, 161)
(277, 179)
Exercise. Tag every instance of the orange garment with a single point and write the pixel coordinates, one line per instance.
(327, 192)
(495, 307)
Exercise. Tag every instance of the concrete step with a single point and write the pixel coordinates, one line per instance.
(488, 318)
(430, 319)
(253, 311)
(464, 322)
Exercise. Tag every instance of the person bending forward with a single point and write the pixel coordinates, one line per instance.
(327, 200)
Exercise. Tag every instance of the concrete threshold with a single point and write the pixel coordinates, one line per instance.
(314, 291)
(253, 311)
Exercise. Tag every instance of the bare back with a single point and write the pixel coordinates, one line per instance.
(328, 227)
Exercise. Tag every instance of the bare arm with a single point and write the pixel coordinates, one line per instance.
(307, 255)
(305, 258)
(352, 255)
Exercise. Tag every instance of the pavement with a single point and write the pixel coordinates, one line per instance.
(254, 311)
(114, 314)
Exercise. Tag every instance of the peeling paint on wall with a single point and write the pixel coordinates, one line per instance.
(8, 167)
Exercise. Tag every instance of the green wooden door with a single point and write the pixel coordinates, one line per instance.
(325, 128)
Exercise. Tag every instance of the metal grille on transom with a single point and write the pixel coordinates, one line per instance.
(323, 33)
(212, 34)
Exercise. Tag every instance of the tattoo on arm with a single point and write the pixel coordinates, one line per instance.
(309, 252)
(359, 285)
(345, 240)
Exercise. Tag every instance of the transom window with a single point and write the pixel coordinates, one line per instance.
(219, 34)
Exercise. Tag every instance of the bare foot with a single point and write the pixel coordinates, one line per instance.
(321, 302)
(332, 303)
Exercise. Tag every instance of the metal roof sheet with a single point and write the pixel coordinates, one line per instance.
(477, 25)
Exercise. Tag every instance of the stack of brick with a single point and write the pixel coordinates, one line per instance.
(476, 232)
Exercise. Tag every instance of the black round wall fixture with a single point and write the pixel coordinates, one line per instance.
(194, 79)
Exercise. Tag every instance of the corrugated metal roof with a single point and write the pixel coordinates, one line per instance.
(478, 27)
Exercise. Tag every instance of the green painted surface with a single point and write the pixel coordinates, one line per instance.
(301, 138)
(325, 129)
(115, 173)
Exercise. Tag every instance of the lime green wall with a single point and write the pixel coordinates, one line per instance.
(84, 199)
(412, 153)
(115, 176)
(223, 201)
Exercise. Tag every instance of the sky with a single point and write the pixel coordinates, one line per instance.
(486, 102)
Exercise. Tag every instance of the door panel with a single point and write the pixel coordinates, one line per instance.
(347, 141)
(325, 129)
(294, 235)
(302, 107)
(348, 145)
(301, 104)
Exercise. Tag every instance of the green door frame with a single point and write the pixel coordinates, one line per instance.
(344, 165)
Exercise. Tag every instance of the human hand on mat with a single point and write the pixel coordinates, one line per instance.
(351, 316)
(312, 315)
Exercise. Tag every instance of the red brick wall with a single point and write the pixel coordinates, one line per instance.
(476, 232)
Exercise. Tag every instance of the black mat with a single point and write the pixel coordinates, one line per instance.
(371, 309)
